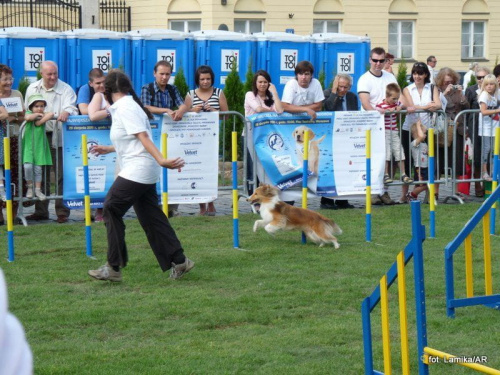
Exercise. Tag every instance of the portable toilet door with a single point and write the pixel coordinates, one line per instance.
(94, 48)
(27, 48)
(152, 45)
(342, 53)
(278, 54)
(223, 50)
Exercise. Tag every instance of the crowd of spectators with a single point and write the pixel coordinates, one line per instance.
(429, 90)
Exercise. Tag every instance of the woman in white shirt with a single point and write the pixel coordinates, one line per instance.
(136, 184)
(421, 95)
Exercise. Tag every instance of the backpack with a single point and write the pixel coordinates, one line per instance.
(170, 90)
(91, 92)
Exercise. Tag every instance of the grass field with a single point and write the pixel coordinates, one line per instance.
(273, 307)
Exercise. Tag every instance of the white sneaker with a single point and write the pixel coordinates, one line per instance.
(40, 195)
(3, 196)
(29, 193)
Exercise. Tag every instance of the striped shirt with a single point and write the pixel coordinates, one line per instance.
(213, 101)
(390, 118)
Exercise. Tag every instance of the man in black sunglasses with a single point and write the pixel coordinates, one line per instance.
(371, 91)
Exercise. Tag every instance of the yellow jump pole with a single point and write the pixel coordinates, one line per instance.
(8, 190)
(305, 168)
(86, 184)
(368, 186)
(487, 254)
(403, 315)
(386, 340)
(432, 186)
(496, 172)
(164, 193)
(468, 266)
(234, 164)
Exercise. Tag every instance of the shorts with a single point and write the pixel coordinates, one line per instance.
(424, 174)
(393, 146)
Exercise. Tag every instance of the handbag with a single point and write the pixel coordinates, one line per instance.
(441, 136)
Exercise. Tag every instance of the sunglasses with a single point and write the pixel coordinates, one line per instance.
(416, 65)
(378, 61)
(479, 77)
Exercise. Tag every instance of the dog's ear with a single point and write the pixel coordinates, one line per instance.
(311, 134)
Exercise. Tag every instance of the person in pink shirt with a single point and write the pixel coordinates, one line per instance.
(263, 97)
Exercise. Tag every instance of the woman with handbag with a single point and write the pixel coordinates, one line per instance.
(422, 95)
(453, 101)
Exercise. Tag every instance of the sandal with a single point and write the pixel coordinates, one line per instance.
(387, 179)
(406, 179)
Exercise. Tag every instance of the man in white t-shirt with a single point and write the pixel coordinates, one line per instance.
(304, 93)
(371, 91)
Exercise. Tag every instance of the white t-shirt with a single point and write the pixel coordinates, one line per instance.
(420, 154)
(420, 100)
(488, 123)
(137, 163)
(375, 86)
(296, 95)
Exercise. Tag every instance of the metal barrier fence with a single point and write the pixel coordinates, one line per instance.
(228, 123)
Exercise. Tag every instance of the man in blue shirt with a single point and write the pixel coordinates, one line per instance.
(161, 97)
(87, 91)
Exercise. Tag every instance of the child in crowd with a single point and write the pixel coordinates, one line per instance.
(420, 155)
(393, 147)
(489, 119)
(36, 149)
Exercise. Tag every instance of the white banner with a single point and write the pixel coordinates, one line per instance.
(195, 139)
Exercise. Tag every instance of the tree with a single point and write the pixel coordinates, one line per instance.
(322, 78)
(235, 100)
(24, 82)
(180, 82)
(401, 76)
(248, 79)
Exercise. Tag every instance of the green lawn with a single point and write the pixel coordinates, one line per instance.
(273, 307)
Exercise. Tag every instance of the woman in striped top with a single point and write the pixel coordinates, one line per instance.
(206, 98)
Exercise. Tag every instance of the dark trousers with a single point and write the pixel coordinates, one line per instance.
(42, 207)
(124, 194)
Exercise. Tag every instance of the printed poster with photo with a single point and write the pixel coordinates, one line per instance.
(337, 151)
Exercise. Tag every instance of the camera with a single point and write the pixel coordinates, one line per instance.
(455, 87)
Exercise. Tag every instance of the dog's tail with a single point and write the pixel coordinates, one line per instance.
(321, 139)
(331, 226)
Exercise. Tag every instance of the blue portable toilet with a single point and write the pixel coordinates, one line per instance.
(222, 50)
(341, 53)
(25, 48)
(152, 45)
(278, 54)
(95, 48)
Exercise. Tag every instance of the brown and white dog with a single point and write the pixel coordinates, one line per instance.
(277, 215)
(313, 160)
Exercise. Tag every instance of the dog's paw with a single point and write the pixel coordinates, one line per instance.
(255, 226)
(336, 244)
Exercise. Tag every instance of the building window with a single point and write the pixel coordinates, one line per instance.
(473, 39)
(248, 26)
(326, 26)
(185, 25)
(401, 39)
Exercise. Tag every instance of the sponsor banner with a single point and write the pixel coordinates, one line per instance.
(33, 57)
(195, 139)
(229, 59)
(12, 105)
(167, 55)
(102, 59)
(345, 63)
(337, 150)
